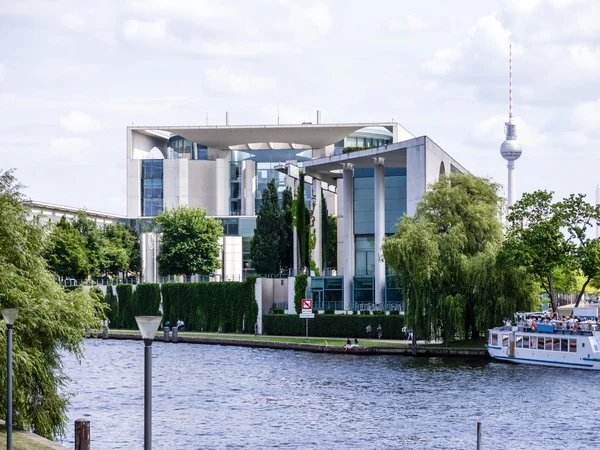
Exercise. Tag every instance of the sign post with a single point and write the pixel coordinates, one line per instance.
(307, 313)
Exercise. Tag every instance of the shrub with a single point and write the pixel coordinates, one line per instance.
(146, 300)
(300, 285)
(110, 299)
(394, 313)
(229, 306)
(125, 317)
(330, 311)
(336, 325)
(277, 311)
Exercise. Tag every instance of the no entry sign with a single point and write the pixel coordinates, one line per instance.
(306, 304)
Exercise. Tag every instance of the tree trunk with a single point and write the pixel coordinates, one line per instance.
(581, 293)
(551, 293)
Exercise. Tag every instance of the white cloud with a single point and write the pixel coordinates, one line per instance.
(136, 30)
(409, 23)
(70, 148)
(587, 114)
(485, 46)
(522, 6)
(223, 80)
(585, 58)
(80, 122)
(3, 72)
(72, 21)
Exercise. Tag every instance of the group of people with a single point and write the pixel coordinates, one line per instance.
(564, 323)
(350, 345)
(180, 325)
(370, 331)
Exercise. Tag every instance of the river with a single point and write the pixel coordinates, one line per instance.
(213, 397)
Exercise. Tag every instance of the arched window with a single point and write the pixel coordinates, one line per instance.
(442, 169)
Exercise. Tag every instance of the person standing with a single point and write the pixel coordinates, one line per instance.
(379, 331)
(255, 329)
(369, 331)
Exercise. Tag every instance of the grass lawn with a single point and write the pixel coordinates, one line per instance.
(21, 441)
(266, 338)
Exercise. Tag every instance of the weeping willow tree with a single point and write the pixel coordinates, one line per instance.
(446, 258)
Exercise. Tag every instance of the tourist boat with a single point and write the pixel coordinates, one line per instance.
(556, 344)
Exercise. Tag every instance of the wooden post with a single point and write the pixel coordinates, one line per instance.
(478, 435)
(82, 434)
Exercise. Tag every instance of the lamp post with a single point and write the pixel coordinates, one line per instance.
(9, 315)
(148, 326)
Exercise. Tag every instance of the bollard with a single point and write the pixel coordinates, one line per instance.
(478, 435)
(105, 329)
(174, 334)
(82, 434)
(166, 336)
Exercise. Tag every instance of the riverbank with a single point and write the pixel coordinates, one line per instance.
(24, 440)
(373, 347)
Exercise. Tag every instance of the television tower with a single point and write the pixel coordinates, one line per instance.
(511, 148)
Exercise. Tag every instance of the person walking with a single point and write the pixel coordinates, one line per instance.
(379, 331)
(369, 331)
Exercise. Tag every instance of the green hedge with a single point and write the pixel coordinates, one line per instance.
(113, 305)
(229, 306)
(336, 325)
(146, 300)
(300, 285)
(125, 316)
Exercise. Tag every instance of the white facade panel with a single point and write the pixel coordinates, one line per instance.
(232, 258)
(202, 177)
(415, 175)
(134, 188)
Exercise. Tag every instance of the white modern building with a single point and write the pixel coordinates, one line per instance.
(224, 169)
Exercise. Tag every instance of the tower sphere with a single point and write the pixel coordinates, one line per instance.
(511, 150)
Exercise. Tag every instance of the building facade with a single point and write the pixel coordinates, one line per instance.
(370, 175)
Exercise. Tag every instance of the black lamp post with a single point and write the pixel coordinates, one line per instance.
(9, 315)
(148, 326)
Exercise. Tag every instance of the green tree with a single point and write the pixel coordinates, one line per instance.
(446, 258)
(65, 251)
(287, 255)
(190, 242)
(95, 242)
(548, 239)
(50, 321)
(301, 222)
(332, 241)
(122, 249)
(270, 236)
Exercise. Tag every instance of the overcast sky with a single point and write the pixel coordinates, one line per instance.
(74, 74)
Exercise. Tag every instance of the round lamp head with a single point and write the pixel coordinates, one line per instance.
(148, 325)
(10, 315)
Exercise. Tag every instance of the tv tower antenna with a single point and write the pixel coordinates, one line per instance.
(510, 149)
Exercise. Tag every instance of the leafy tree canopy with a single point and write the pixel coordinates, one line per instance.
(446, 257)
(50, 321)
(65, 251)
(190, 242)
(549, 238)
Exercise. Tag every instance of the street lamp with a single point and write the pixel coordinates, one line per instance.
(9, 315)
(148, 326)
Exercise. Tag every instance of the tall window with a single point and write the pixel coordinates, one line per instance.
(152, 187)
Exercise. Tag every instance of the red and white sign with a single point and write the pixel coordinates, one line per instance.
(306, 304)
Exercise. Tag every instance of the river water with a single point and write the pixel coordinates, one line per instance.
(213, 397)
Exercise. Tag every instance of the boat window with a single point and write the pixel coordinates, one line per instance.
(533, 342)
(548, 346)
(564, 345)
(494, 339)
(519, 341)
(505, 340)
(594, 343)
(525, 341)
(556, 344)
(540, 343)
(573, 345)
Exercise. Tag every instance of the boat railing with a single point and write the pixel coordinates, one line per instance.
(558, 326)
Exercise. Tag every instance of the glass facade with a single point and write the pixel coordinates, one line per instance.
(364, 199)
(328, 292)
(235, 188)
(152, 187)
(364, 254)
(179, 147)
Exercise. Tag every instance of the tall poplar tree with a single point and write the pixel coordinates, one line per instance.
(270, 235)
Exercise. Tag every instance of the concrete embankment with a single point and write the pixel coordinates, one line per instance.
(378, 350)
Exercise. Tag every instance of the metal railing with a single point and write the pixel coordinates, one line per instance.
(97, 281)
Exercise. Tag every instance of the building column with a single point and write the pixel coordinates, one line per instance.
(295, 232)
(511, 183)
(379, 231)
(348, 211)
(317, 252)
(248, 169)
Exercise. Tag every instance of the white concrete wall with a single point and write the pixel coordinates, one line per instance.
(434, 156)
(258, 297)
(248, 186)
(267, 294)
(149, 250)
(134, 188)
(232, 258)
(291, 309)
(415, 173)
(140, 144)
(221, 188)
(175, 182)
(202, 180)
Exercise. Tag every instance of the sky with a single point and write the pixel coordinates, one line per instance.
(75, 74)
